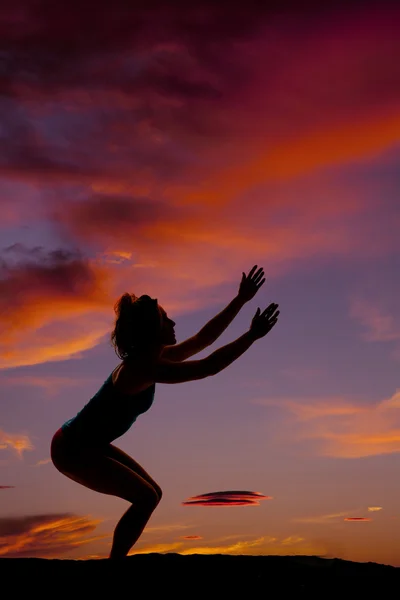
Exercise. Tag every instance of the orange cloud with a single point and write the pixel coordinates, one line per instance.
(342, 428)
(17, 442)
(46, 536)
(159, 548)
(261, 546)
(151, 164)
(357, 519)
(292, 540)
(229, 498)
(192, 537)
(52, 305)
(374, 508)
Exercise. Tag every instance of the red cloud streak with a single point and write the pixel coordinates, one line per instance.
(228, 498)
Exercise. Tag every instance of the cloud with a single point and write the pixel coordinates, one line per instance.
(177, 81)
(50, 384)
(379, 325)
(19, 443)
(229, 498)
(165, 528)
(291, 540)
(117, 217)
(6, 487)
(45, 536)
(141, 141)
(52, 304)
(45, 461)
(322, 519)
(158, 548)
(240, 547)
(259, 546)
(192, 537)
(338, 427)
(336, 517)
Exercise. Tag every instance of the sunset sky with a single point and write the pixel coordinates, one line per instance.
(164, 150)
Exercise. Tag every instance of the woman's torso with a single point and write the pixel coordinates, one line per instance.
(113, 409)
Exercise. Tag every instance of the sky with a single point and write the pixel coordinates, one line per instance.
(164, 151)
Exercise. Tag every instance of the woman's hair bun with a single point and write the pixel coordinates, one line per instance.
(125, 303)
(137, 323)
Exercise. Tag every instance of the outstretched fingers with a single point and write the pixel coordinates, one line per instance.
(269, 310)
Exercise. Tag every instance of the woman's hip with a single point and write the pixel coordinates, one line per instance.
(65, 451)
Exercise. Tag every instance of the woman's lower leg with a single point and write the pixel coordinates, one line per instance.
(129, 528)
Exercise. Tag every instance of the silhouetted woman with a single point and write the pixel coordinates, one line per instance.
(144, 339)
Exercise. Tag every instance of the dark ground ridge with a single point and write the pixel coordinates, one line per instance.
(188, 575)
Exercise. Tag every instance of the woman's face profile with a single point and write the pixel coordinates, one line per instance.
(167, 328)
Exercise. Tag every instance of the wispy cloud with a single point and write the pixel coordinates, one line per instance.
(50, 384)
(260, 545)
(44, 461)
(46, 536)
(165, 528)
(292, 540)
(340, 427)
(379, 325)
(18, 443)
(323, 519)
(228, 498)
(240, 547)
(337, 517)
(159, 548)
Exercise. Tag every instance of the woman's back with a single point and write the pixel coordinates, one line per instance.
(113, 409)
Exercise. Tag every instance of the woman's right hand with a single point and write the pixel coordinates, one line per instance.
(264, 321)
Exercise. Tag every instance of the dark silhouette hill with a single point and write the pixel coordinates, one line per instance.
(158, 575)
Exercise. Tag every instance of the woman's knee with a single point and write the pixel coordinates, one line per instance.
(158, 492)
(148, 499)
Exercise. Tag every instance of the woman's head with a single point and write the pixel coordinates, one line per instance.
(141, 324)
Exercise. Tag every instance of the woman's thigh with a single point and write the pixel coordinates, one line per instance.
(124, 458)
(96, 470)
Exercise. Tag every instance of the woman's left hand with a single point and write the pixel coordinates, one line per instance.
(251, 284)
